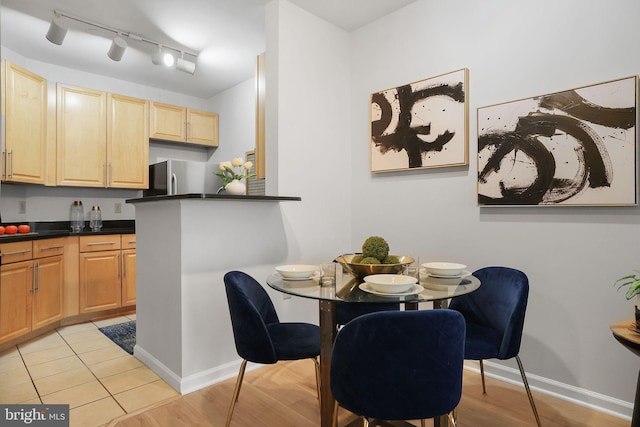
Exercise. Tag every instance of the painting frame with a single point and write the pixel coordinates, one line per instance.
(403, 120)
(576, 147)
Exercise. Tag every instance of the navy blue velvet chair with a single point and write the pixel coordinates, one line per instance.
(399, 365)
(345, 312)
(495, 318)
(259, 335)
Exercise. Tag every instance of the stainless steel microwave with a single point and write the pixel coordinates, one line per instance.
(172, 177)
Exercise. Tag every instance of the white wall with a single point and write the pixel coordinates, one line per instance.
(320, 150)
(572, 255)
(308, 128)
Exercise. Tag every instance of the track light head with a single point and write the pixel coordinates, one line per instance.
(118, 46)
(186, 66)
(162, 57)
(57, 31)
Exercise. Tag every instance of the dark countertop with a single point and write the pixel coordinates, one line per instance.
(218, 197)
(51, 229)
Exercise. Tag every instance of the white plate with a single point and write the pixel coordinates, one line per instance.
(301, 271)
(298, 279)
(416, 289)
(464, 273)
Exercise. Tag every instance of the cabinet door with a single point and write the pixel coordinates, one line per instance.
(16, 286)
(99, 281)
(24, 154)
(168, 122)
(202, 128)
(47, 298)
(128, 277)
(82, 137)
(127, 142)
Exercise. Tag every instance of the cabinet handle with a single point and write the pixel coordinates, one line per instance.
(51, 248)
(37, 271)
(119, 266)
(4, 164)
(100, 243)
(124, 266)
(11, 164)
(33, 279)
(109, 176)
(104, 174)
(16, 252)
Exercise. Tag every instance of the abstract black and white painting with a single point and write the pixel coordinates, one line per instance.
(421, 125)
(576, 147)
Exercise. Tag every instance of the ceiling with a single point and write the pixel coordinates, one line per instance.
(227, 35)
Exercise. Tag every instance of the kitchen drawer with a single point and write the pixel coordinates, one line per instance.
(48, 247)
(128, 241)
(16, 251)
(102, 242)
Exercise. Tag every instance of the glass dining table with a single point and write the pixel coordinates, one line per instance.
(349, 289)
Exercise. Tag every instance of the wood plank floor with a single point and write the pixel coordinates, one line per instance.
(284, 395)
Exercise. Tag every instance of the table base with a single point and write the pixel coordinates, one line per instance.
(437, 422)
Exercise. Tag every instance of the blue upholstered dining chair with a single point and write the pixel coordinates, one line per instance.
(399, 365)
(495, 318)
(259, 335)
(346, 312)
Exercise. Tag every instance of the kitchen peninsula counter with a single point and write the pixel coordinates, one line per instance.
(214, 197)
(185, 245)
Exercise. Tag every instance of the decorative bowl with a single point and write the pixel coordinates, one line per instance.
(444, 268)
(390, 283)
(301, 271)
(361, 270)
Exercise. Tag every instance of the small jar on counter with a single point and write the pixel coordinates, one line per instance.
(77, 216)
(95, 218)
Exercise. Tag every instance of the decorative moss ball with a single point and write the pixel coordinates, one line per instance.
(391, 259)
(376, 247)
(357, 259)
(370, 260)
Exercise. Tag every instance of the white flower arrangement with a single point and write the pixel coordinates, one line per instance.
(235, 169)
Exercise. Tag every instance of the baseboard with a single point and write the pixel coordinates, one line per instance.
(191, 383)
(579, 396)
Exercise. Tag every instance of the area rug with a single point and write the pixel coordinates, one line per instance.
(123, 334)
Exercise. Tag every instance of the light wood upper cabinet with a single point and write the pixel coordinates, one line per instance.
(168, 122)
(24, 106)
(179, 124)
(202, 127)
(82, 137)
(127, 142)
(103, 139)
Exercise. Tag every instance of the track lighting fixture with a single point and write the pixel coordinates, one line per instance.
(118, 46)
(184, 65)
(57, 31)
(163, 56)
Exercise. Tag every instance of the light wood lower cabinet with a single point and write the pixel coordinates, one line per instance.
(107, 273)
(45, 281)
(16, 284)
(47, 299)
(31, 291)
(128, 243)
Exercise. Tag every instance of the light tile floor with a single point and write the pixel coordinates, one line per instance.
(79, 366)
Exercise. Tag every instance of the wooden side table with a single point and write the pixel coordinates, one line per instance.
(631, 340)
